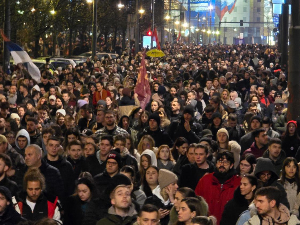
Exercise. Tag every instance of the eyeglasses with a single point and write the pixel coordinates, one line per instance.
(225, 162)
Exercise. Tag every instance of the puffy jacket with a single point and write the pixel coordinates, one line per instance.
(216, 194)
(113, 218)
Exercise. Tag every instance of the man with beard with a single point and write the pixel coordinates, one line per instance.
(110, 127)
(269, 208)
(218, 188)
(32, 128)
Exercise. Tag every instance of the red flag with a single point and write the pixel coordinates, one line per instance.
(142, 87)
(179, 35)
(155, 37)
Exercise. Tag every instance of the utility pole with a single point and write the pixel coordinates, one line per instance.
(137, 27)
(7, 30)
(189, 9)
(294, 50)
(152, 3)
(285, 35)
(94, 40)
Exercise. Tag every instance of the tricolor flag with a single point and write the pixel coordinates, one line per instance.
(21, 56)
(155, 38)
(223, 6)
(142, 86)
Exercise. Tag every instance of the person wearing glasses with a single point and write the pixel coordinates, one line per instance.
(217, 188)
(265, 172)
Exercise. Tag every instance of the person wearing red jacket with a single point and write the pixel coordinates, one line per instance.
(218, 188)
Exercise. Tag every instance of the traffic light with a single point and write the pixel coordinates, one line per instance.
(149, 33)
(241, 23)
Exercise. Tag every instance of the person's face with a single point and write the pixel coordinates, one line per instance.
(260, 91)
(84, 193)
(172, 188)
(88, 150)
(183, 148)
(232, 96)
(275, 150)
(191, 96)
(31, 157)
(222, 137)
(245, 167)
(61, 120)
(182, 98)
(22, 142)
(3, 146)
(152, 176)
(108, 101)
(255, 124)
(75, 152)
(245, 187)
(263, 205)
(290, 170)
(42, 114)
(58, 102)
(46, 137)
(52, 91)
(200, 156)
(148, 218)
(3, 167)
(255, 100)
(223, 165)
(265, 176)
(99, 87)
(262, 139)
(146, 144)
(34, 190)
(71, 137)
(164, 153)
(217, 121)
(224, 95)
(70, 86)
(291, 129)
(111, 166)
(153, 124)
(154, 106)
(122, 198)
(66, 97)
(185, 214)
(175, 106)
(208, 84)
(3, 203)
(119, 144)
(144, 118)
(100, 116)
(187, 117)
(109, 119)
(191, 155)
(128, 143)
(105, 147)
(125, 123)
(21, 111)
(53, 147)
(173, 91)
(177, 201)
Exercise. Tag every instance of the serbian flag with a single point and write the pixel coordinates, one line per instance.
(179, 35)
(223, 6)
(142, 87)
(21, 56)
(155, 38)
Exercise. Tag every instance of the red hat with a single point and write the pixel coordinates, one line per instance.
(292, 121)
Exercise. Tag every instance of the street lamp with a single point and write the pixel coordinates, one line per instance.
(210, 7)
(120, 6)
(141, 11)
(52, 12)
(32, 10)
(168, 19)
(94, 40)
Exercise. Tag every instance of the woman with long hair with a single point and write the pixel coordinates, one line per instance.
(291, 140)
(225, 96)
(131, 148)
(146, 142)
(291, 183)
(179, 148)
(183, 193)
(150, 180)
(188, 209)
(79, 201)
(243, 196)
(142, 121)
(164, 158)
(71, 134)
(247, 164)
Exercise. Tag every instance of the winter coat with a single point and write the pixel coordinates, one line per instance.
(246, 142)
(160, 136)
(191, 174)
(257, 152)
(74, 204)
(113, 218)
(93, 164)
(293, 196)
(278, 163)
(11, 185)
(117, 130)
(234, 208)
(290, 145)
(95, 211)
(11, 216)
(265, 164)
(78, 165)
(216, 194)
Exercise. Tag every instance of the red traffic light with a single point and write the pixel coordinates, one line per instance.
(149, 33)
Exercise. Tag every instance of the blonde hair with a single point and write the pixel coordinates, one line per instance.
(170, 154)
(140, 145)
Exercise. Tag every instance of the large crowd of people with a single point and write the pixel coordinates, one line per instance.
(212, 146)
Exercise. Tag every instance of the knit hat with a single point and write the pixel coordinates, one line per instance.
(166, 177)
(126, 92)
(223, 130)
(101, 102)
(155, 117)
(36, 87)
(6, 192)
(189, 109)
(81, 103)
(61, 111)
(161, 90)
(116, 156)
(14, 116)
(206, 133)
(255, 118)
(52, 97)
(117, 180)
(231, 104)
(2, 139)
(292, 121)
(216, 115)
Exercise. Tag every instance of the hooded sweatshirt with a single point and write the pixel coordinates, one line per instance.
(152, 155)
(23, 133)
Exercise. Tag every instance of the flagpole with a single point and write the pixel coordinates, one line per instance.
(7, 30)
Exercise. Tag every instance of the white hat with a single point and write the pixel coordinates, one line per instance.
(52, 97)
(61, 111)
(36, 87)
(14, 116)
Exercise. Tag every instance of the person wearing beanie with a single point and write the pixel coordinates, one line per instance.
(164, 195)
(218, 188)
(154, 130)
(186, 126)
(216, 124)
(226, 145)
(8, 214)
(101, 104)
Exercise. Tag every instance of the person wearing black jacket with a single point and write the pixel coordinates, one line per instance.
(192, 173)
(186, 127)
(88, 121)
